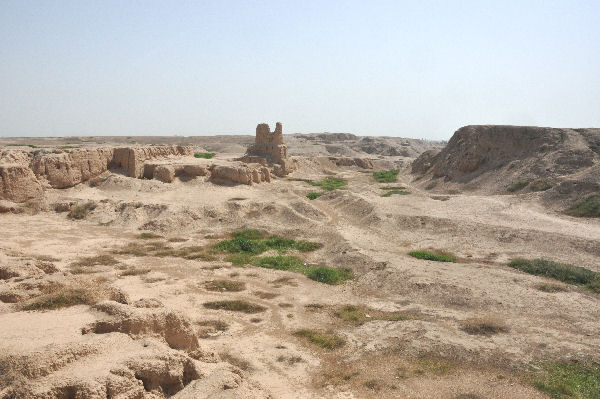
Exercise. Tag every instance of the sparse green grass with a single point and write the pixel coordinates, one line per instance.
(240, 259)
(205, 155)
(387, 176)
(487, 325)
(235, 306)
(517, 185)
(329, 183)
(393, 188)
(313, 195)
(177, 239)
(440, 197)
(565, 380)
(149, 236)
(321, 274)
(325, 340)
(256, 242)
(329, 275)
(540, 185)
(564, 272)
(81, 211)
(225, 285)
(359, 315)
(160, 249)
(438, 257)
(588, 207)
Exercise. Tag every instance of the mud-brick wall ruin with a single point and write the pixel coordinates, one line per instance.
(269, 148)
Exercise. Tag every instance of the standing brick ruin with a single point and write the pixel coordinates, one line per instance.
(269, 149)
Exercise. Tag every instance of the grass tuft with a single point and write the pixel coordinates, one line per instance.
(205, 155)
(329, 275)
(437, 257)
(588, 207)
(564, 380)
(540, 185)
(61, 299)
(551, 288)
(359, 315)
(256, 242)
(235, 306)
(564, 272)
(240, 259)
(313, 195)
(325, 340)
(95, 261)
(387, 176)
(249, 234)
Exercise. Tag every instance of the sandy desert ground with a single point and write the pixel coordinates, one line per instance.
(91, 307)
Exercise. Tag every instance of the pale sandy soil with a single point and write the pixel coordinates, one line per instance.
(427, 356)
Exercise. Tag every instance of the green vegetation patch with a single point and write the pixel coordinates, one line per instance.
(322, 274)
(240, 259)
(588, 207)
(564, 380)
(313, 195)
(432, 256)
(235, 306)
(256, 242)
(149, 236)
(517, 185)
(387, 176)
(329, 183)
(564, 272)
(205, 155)
(325, 340)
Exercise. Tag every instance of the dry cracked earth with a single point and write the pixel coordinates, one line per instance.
(137, 299)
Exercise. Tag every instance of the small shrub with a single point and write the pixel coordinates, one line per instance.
(235, 306)
(313, 195)
(432, 256)
(80, 212)
(225, 285)
(440, 197)
(329, 275)
(487, 325)
(329, 183)
(205, 155)
(387, 176)
(518, 185)
(325, 340)
(564, 272)
(588, 207)
(564, 380)
(149, 236)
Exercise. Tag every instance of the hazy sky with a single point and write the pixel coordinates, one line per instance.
(402, 68)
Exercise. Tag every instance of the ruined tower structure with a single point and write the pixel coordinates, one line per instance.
(269, 150)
